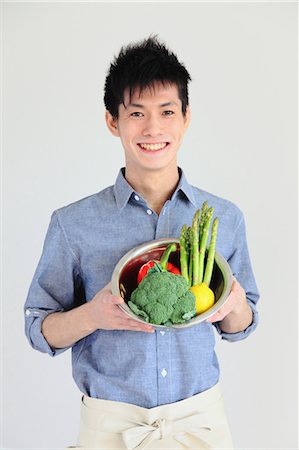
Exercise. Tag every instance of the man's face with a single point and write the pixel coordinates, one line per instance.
(151, 126)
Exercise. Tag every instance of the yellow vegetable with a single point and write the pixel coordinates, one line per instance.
(204, 297)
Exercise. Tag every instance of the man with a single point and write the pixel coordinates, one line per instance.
(142, 388)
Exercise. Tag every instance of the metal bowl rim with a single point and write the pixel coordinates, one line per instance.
(151, 245)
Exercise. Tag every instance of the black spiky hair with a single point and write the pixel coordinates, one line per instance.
(140, 65)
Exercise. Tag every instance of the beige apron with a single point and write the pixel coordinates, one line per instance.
(197, 423)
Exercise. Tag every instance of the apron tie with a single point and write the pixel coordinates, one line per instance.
(139, 437)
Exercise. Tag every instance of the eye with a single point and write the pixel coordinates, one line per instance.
(136, 114)
(168, 113)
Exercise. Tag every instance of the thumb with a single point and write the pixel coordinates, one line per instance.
(111, 298)
(235, 285)
(116, 299)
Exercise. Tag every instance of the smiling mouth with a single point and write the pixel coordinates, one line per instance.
(153, 147)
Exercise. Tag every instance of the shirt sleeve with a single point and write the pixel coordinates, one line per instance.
(54, 287)
(240, 264)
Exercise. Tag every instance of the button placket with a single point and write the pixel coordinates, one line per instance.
(164, 366)
(163, 226)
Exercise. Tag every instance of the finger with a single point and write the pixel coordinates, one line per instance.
(134, 325)
(121, 313)
(213, 318)
(219, 315)
(124, 318)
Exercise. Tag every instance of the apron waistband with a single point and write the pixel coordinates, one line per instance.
(138, 426)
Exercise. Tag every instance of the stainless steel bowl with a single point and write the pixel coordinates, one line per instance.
(124, 277)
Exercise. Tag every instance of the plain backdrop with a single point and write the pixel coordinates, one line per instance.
(241, 145)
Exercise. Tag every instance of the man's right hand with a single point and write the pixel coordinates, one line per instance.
(106, 314)
(63, 329)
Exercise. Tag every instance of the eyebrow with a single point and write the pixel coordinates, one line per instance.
(163, 105)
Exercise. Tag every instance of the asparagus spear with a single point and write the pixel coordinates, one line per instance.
(204, 210)
(190, 239)
(211, 253)
(184, 252)
(203, 243)
(195, 250)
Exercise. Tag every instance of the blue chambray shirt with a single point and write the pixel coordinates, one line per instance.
(84, 242)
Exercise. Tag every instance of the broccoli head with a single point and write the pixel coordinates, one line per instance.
(163, 298)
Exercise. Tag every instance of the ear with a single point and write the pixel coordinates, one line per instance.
(112, 124)
(187, 117)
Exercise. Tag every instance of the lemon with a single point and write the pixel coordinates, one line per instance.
(204, 297)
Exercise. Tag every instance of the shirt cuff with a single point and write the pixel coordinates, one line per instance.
(240, 335)
(34, 318)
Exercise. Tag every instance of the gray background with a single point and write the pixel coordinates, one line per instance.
(241, 145)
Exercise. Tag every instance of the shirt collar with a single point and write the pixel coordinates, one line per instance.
(184, 187)
(123, 190)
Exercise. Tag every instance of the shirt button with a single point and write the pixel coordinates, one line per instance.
(149, 211)
(162, 332)
(27, 312)
(164, 373)
(136, 197)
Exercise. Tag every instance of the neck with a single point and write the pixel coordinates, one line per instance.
(156, 187)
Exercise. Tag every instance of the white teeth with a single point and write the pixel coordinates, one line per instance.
(153, 146)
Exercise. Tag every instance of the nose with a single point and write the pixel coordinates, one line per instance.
(152, 126)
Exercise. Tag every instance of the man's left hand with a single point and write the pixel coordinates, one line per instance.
(235, 315)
